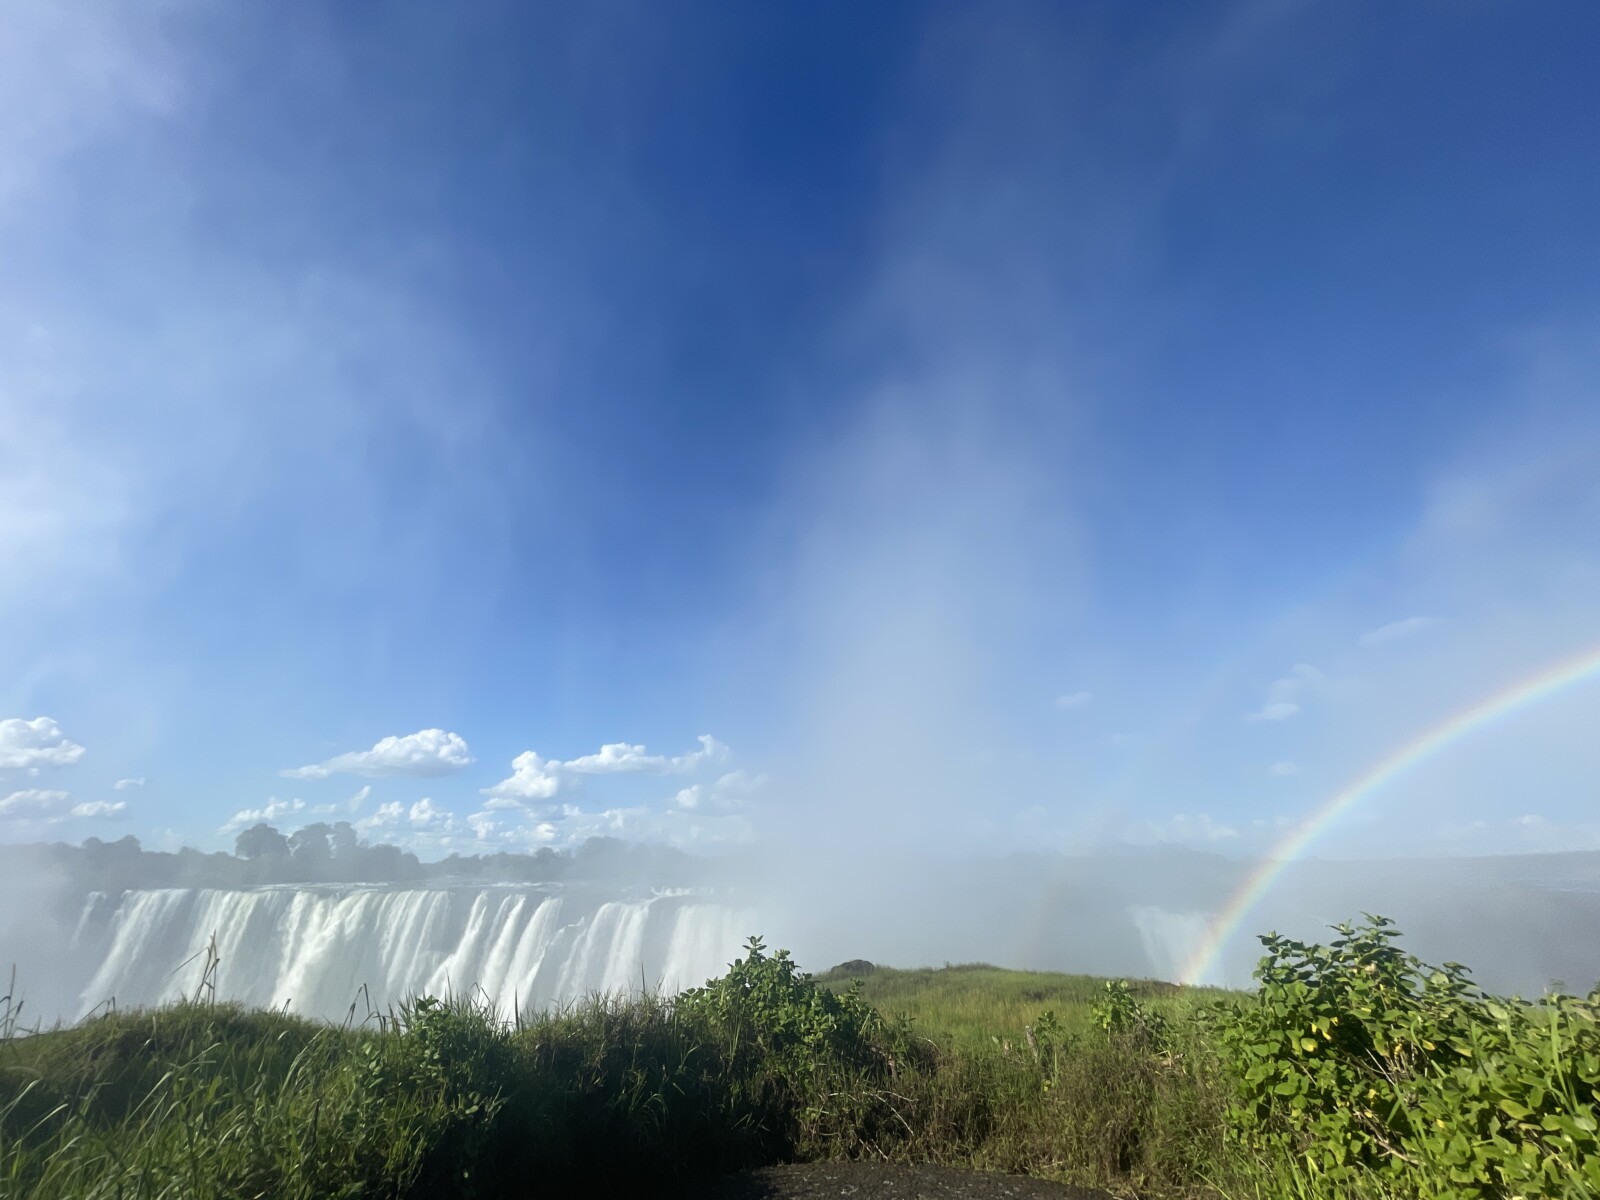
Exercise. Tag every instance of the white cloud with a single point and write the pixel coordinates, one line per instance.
(387, 816)
(273, 810)
(711, 753)
(1074, 699)
(1282, 769)
(484, 825)
(728, 794)
(425, 814)
(100, 808)
(355, 802)
(422, 755)
(123, 785)
(535, 778)
(35, 743)
(614, 757)
(1395, 630)
(741, 783)
(48, 806)
(1283, 693)
(32, 802)
(1182, 829)
(1280, 710)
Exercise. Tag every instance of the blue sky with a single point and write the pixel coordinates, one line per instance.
(977, 426)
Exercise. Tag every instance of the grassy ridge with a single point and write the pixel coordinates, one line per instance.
(1352, 1071)
(972, 1004)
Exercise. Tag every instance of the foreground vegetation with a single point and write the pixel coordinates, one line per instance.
(1353, 1070)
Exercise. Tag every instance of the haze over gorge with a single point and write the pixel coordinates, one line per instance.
(111, 925)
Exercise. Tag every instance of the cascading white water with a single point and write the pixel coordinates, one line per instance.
(1169, 938)
(314, 948)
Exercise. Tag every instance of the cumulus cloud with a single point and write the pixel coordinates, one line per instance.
(37, 743)
(123, 785)
(422, 755)
(711, 753)
(614, 757)
(32, 802)
(384, 817)
(536, 779)
(533, 777)
(1074, 699)
(1395, 630)
(425, 814)
(273, 810)
(741, 783)
(1278, 710)
(103, 809)
(728, 794)
(1283, 693)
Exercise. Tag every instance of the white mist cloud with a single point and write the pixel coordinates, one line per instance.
(742, 783)
(123, 785)
(33, 802)
(1284, 693)
(100, 809)
(422, 755)
(273, 810)
(711, 753)
(1074, 699)
(533, 777)
(612, 758)
(1395, 630)
(425, 814)
(730, 793)
(385, 817)
(1283, 769)
(1274, 710)
(536, 779)
(25, 745)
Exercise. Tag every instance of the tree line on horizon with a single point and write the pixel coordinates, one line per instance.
(335, 853)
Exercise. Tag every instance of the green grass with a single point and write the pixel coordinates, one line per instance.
(1144, 1089)
(971, 1004)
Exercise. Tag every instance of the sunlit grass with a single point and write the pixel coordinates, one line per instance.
(1120, 1086)
(971, 1004)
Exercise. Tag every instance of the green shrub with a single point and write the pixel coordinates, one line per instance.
(821, 1059)
(1356, 1058)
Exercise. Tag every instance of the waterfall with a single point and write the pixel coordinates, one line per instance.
(312, 949)
(1169, 938)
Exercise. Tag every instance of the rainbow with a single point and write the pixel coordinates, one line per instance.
(1396, 763)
